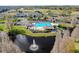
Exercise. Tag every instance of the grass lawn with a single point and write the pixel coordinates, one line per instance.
(67, 25)
(3, 27)
(77, 47)
(1, 20)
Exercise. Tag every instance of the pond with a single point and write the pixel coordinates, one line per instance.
(40, 45)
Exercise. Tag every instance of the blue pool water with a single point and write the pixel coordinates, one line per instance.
(43, 24)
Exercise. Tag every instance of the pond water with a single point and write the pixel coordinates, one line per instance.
(40, 45)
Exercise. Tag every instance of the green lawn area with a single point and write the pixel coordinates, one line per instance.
(23, 30)
(1, 20)
(76, 47)
(3, 27)
(15, 20)
(67, 25)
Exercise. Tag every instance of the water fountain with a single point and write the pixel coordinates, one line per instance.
(34, 47)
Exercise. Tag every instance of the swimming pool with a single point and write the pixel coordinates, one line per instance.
(43, 24)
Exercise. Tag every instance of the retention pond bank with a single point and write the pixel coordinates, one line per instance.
(45, 44)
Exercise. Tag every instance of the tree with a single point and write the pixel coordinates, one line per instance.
(75, 33)
(9, 22)
(67, 44)
(7, 46)
(63, 44)
(57, 43)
